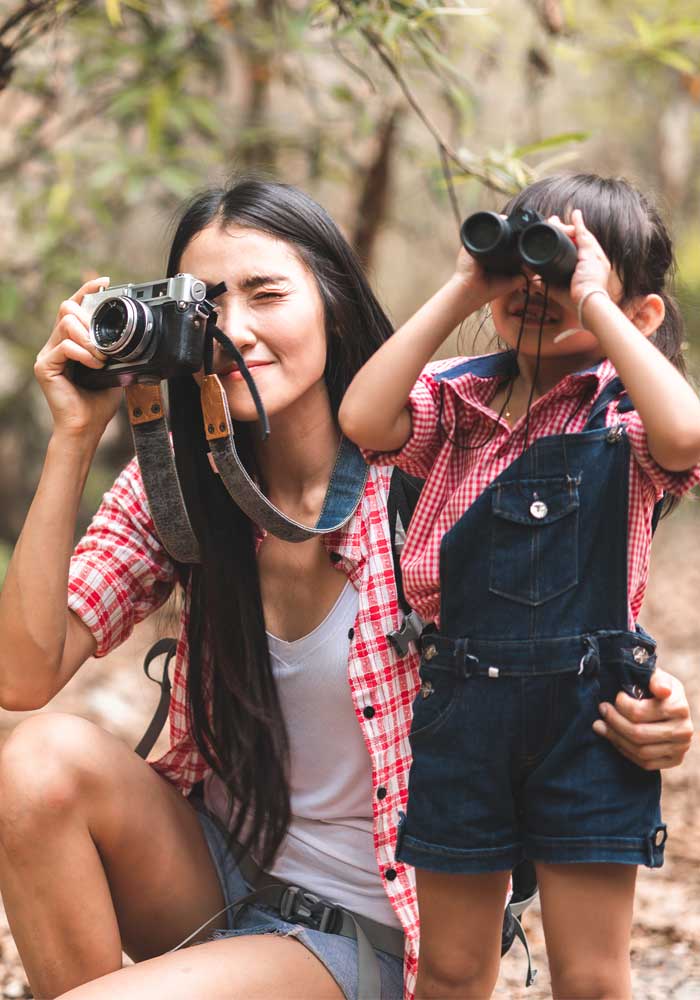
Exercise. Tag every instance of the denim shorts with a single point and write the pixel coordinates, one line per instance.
(509, 768)
(337, 953)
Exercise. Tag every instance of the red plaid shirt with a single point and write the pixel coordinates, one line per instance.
(456, 477)
(120, 573)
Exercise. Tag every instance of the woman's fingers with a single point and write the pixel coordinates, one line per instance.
(73, 324)
(93, 285)
(53, 361)
(650, 757)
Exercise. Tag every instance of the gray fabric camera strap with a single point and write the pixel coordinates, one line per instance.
(160, 480)
(157, 464)
(345, 490)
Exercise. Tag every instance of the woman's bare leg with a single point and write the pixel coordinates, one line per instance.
(461, 918)
(587, 919)
(97, 854)
(259, 967)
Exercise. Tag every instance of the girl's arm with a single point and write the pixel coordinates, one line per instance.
(42, 643)
(668, 406)
(374, 411)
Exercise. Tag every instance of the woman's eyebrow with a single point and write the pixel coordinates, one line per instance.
(256, 280)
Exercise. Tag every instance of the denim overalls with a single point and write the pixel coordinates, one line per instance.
(534, 634)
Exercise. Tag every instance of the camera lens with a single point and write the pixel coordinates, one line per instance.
(121, 328)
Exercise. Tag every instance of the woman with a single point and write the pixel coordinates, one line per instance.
(102, 852)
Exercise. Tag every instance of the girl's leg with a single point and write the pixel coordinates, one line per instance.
(97, 853)
(461, 917)
(587, 918)
(259, 967)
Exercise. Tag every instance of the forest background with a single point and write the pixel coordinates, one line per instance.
(400, 117)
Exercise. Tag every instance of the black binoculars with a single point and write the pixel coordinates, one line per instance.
(502, 246)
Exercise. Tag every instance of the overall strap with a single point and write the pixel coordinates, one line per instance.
(615, 388)
(596, 420)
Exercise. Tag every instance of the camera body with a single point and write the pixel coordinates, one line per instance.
(504, 245)
(149, 331)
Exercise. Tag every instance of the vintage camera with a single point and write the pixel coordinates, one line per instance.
(502, 246)
(149, 331)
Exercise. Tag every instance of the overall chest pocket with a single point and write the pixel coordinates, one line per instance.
(534, 539)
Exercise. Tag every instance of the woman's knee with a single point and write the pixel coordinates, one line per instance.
(48, 765)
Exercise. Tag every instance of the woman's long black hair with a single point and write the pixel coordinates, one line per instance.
(234, 711)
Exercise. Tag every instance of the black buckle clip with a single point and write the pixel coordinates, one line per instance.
(410, 631)
(301, 907)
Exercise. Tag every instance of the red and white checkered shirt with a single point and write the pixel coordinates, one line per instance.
(455, 477)
(120, 573)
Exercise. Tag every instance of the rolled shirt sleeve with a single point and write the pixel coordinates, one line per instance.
(120, 572)
(663, 480)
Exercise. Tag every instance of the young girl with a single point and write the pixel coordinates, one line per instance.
(530, 549)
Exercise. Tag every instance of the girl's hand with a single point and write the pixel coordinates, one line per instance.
(482, 286)
(593, 268)
(653, 733)
(75, 411)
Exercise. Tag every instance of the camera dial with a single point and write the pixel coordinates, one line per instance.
(122, 327)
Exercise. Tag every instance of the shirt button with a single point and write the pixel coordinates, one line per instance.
(381, 792)
(390, 874)
(351, 633)
(336, 557)
(368, 712)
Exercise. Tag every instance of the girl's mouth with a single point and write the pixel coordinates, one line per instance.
(534, 316)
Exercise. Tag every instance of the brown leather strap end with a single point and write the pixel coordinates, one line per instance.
(217, 422)
(144, 403)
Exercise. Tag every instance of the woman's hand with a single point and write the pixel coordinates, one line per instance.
(654, 733)
(75, 411)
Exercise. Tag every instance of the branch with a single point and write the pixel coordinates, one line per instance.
(30, 19)
(446, 150)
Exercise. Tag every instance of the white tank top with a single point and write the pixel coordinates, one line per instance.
(329, 847)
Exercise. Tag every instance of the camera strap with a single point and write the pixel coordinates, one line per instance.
(158, 472)
(345, 490)
(348, 479)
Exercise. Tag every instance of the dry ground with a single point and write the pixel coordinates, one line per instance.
(666, 942)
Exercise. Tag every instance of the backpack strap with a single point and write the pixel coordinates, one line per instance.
(404, 491)
(160, 716)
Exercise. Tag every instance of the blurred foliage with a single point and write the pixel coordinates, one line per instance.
(398, 115)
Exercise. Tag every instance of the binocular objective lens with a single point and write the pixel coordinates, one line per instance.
(539, 244)
(121, 328)
(482, 231)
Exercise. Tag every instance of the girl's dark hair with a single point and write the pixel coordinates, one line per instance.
(630, 231)
(233, 707)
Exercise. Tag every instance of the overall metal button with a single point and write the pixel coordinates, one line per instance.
(640, 654)
(539, 509)
(429, 652)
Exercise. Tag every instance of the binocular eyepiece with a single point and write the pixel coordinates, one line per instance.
(502, 246)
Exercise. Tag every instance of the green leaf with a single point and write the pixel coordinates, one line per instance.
(676, 60)
(548, 143)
